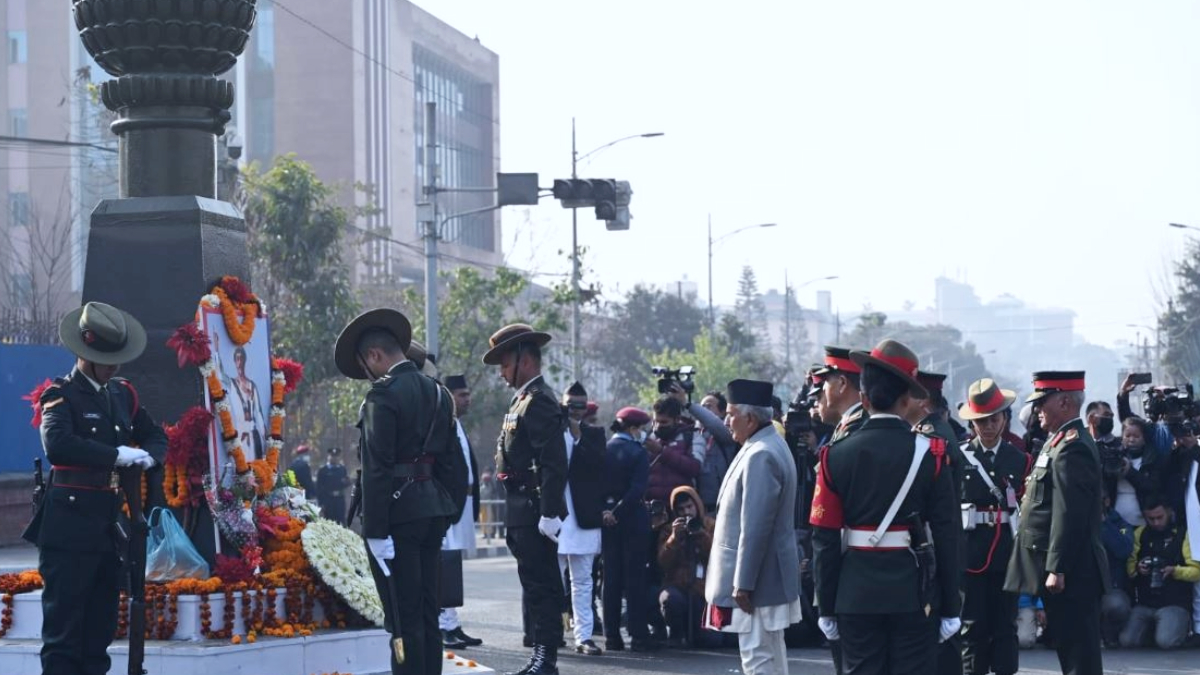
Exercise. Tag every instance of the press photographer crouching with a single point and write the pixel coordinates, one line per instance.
(683, 557)
(1163, 574)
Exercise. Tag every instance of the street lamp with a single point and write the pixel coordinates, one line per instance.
(712, 317)
(576, 158)
(1181, 226)
(1157, 340)
(789, 295)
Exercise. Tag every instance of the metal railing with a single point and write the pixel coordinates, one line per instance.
(491, 519)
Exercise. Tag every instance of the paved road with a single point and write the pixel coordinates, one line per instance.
(493, 613)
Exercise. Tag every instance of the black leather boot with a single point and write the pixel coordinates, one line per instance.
(543, 661)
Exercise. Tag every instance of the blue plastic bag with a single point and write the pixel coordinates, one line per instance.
(170, 555)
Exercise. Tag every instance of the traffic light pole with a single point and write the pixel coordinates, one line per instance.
(576, 364)
(431, 230)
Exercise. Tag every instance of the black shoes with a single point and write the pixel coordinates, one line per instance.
(614, 645)
(588, 648)
(464, 638)
(544, 661)
(452, 641)
(649, 645)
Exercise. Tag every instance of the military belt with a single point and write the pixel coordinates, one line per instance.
(86, 479)
(421, 471)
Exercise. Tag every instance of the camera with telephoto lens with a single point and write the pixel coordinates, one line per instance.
(684, 375)
(1112, 458)
(1172, 405)
(693, 525)
(1156, 565)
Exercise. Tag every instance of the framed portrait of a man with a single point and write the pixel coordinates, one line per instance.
(245, 375)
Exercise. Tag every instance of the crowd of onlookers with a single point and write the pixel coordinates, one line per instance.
(664, 469)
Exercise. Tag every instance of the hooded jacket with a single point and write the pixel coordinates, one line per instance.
(677, 562)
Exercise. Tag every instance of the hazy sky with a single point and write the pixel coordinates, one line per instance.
(1034, 148)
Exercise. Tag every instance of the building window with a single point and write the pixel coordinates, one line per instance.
(18, 209)
(18, 48)
(18, 123)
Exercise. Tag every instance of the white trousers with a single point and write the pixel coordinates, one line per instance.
(1196, 609)
(581, 592)
(448, 619)
(763, 651)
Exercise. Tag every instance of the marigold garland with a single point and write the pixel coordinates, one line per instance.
(235, 298)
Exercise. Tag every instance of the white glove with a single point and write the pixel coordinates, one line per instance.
(147, 463)
(127, 456)
(828, 626)
(383, 550)
(949, 627)
(550, 527)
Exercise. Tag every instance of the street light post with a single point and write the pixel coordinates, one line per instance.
(576, 319)
(712, 316)
(1157, 369)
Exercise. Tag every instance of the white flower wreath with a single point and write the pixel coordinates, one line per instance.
(340, 558)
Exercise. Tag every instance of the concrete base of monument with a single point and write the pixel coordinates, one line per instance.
(348, 652)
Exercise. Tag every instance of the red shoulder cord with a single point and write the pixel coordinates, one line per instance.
(132, 392)
(937, 448)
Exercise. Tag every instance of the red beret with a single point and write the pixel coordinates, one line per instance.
(633, 416)
(592, 407)
(301, 449)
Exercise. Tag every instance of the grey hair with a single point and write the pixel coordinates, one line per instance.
(764, 415)
(1077, 398)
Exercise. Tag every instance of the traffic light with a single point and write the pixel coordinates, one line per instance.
(604, 191)
(574, 193)
(620, 215)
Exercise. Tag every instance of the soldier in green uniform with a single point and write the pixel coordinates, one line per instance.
(531, 461)
(993, 478)
(414, 479)
(90, 422)
(880, 489)
(1058, 555)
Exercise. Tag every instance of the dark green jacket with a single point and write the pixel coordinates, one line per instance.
(1061, 513)
(532, 455)
(79, 430)
(401, 409)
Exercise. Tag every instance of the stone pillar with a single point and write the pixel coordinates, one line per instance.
(158, 248)
(162, 245)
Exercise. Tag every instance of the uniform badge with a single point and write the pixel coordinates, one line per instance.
(1043, 461)
(1071, 436)
(91, 416)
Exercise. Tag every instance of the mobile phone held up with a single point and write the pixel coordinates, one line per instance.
(1140, 378)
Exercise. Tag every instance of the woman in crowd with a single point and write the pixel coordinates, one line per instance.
(626, 533)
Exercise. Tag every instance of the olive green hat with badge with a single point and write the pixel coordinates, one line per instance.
(345, 350)
(102, 334)
(509, 338)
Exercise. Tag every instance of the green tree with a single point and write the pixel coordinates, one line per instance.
(649, 321)
(715, 367)
(472, 307)
(296, 230)
(939, 348)
(750, 309)
(1179, 324)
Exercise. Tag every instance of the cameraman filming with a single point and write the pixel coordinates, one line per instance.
(1163, 574)
(683, 550)
(1172, 438)
(719, 446)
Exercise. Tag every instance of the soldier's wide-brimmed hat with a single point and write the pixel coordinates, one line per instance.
(509, 337)
(837, 359)
(896, 358)
(456, 382)
(102, 334)
(984, 399)
(1048, 382)
(422, 359)
(345, 350)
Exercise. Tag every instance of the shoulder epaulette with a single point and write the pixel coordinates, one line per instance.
(1071, 435)
(925, 429)
(855, 416)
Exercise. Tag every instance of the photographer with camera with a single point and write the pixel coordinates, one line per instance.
(1163, 574)
(683, 550)
(718, 443)
(1136, 469)
(1172, 436)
